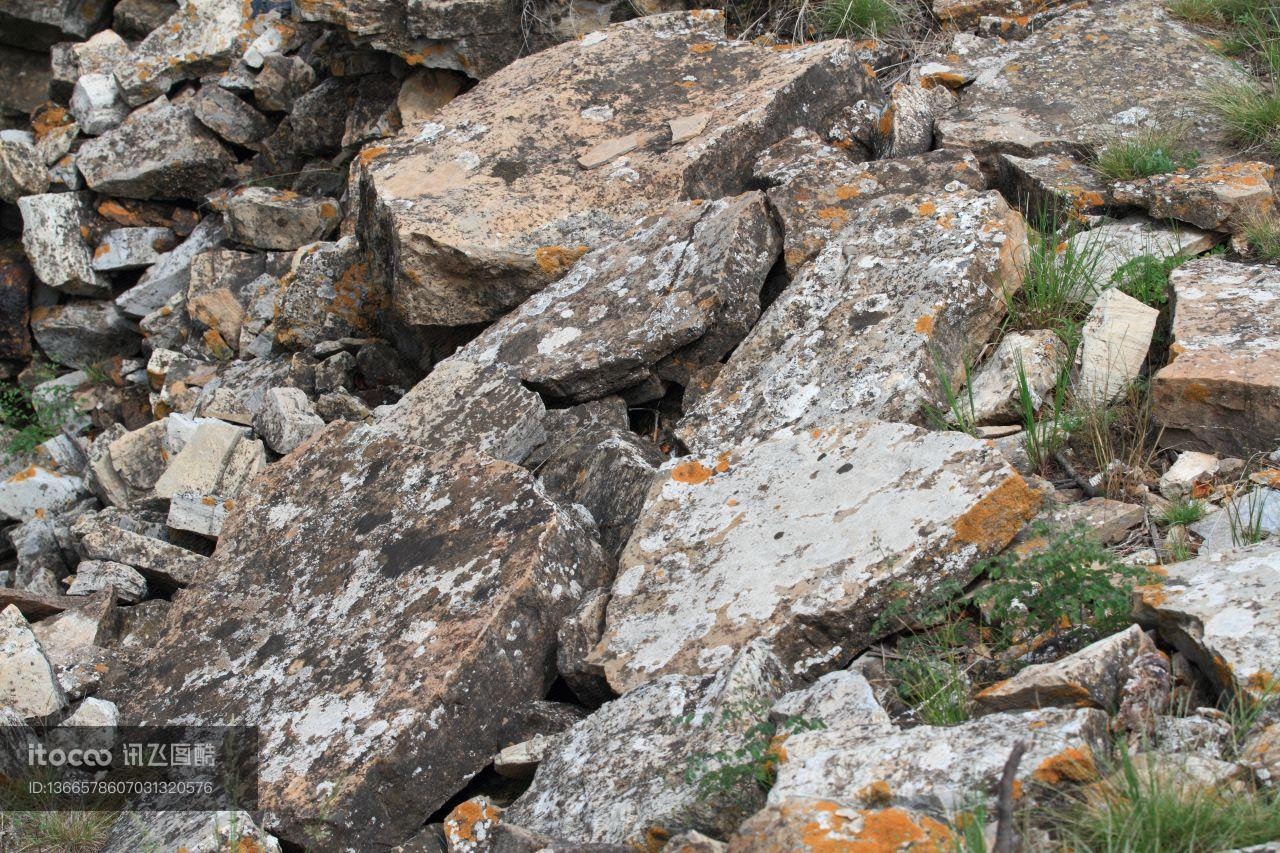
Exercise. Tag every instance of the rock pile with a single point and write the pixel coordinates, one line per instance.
(574, 427)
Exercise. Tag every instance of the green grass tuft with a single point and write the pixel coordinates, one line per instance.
(858, 18)
(1150, 153)
(1181, 511)
(1250, 113)
(1263, 234)
(1146, 278)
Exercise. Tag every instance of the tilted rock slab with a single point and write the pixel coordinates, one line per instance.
(1221, 389)
(378, 609)
(912, 284)
(816, 188)
(563, 151)
(802, 539)
(1084, 79)
(940, 769)
(1223, 612)
(1219, 196)
(203, 36)
(676, 294)
(802, 825)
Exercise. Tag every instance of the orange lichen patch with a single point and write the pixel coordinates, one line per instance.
(878, 793)
(886, 122)
(848, 191)
(722, 462)
(371, 153)
(25, 474)
(924, 324)
(701, 47)
(893, 830)
(48, 118)
(996, 519)
(462, 821)
(1261, 681)
(101, 250)
(208, 501)
(1196, 392)
(691, 472)
(834, 215)
(554, 261)
(950, 79)
(1073, 764)
(328, 210)
(927, 208)
(1268, 477)
(656, 838)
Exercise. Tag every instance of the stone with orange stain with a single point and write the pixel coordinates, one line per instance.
(469, 827)
(1057, 184)
(824, 826)
(845, 517)
(1221, 390)
(55, 245)
(132, 248)
(187, 832)
(35, 489)
(202, 37)
(937, 769)
(277, 219)
(1221, 611)
(846, 336)
(816, 187)
(331, 292)
(471, 195)
(1216, 196)
(22, 170)
(966, 13)
(669, 299)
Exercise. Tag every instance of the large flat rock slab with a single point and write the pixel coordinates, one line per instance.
(802, 539)
(1221, 390)
(1090, 76)
(565, 150)
(910, 284)
(675, 295)
(1223, 612)
(379, 610)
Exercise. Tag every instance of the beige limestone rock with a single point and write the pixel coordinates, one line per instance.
(1116, 336)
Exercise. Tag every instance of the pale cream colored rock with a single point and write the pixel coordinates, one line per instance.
(685, 128)
(1116, 242)
(27, 681)
(1116, 337)
(1191, 469)
(200, 464)
(808, 528)
(993, 395)
(52, 239)
(36, 492)
(1217, 196)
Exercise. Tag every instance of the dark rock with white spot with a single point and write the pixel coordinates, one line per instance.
(79, 334)
(281, 80)
(229, 116)
(22, 172)
(277, 219)
(161, 152)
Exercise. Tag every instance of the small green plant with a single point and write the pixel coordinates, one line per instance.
(1246, 514)
(1153, 152)
(1042, 439)
(1149, 811)
(857, 18)
(959, 414)
(929, 675)
(1263, 235)
(1060, 280)
(1176, 546)
(752, 763)
(26, 828)
(1122, 438)
(1181, 511)
(1244, 710)
(1146, 278)
(1072, 581)
(34, 420)
(1249, 111)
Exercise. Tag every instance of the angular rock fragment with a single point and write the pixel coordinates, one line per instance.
(164, 566)
(381, 557)
(1220, 611)
(229, 116)
(1092, 677)
(41, 561)
(53, 238)
(287, 418)
(1115, 339)
(802, 539)
(171, 273)
(281, 80)
(602, 466)
(330, 293)
(622, 770)
(132, 248)
(96, 575)
(905, 127)
(198, 513)
(458, 200)
(812, 825)
(1108, 521)
(277, 219)
(27, 682)
(22, 172)
(156, 153)
(1055, 186)
(919, 278)
(97, 105)
(36, 491)
(85, 333)
(1190, 472)
(201, 36)
(965, 13)
(940, 770)
(1217, 196)
(993, 393)
(1221, 389)
(577, 636)
(674, 295)
(844, 698)
(1114, 243)
(1088, 78)
(815, 187)
(199, 466)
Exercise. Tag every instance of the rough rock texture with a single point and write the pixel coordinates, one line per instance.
(1220, 611)
(936, 769)
(36, 491)
(27, 682)
(389, 607)
(21, 171)
(1113, 243)
(1221, 391)
(277, 219)
(919, 278)
(844, 698)
(493, 186)
(1092, 677)
(1086, 78)
(801, 825)
(330, 293)
(201, 36)
(816, 187)
(1054, 185)
(52, 237)
(165, 566)
(157, 153)
(673, 296)
(1217, 196)
(802, 539)
(622, 770)
(994, 389)
(287, 419)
